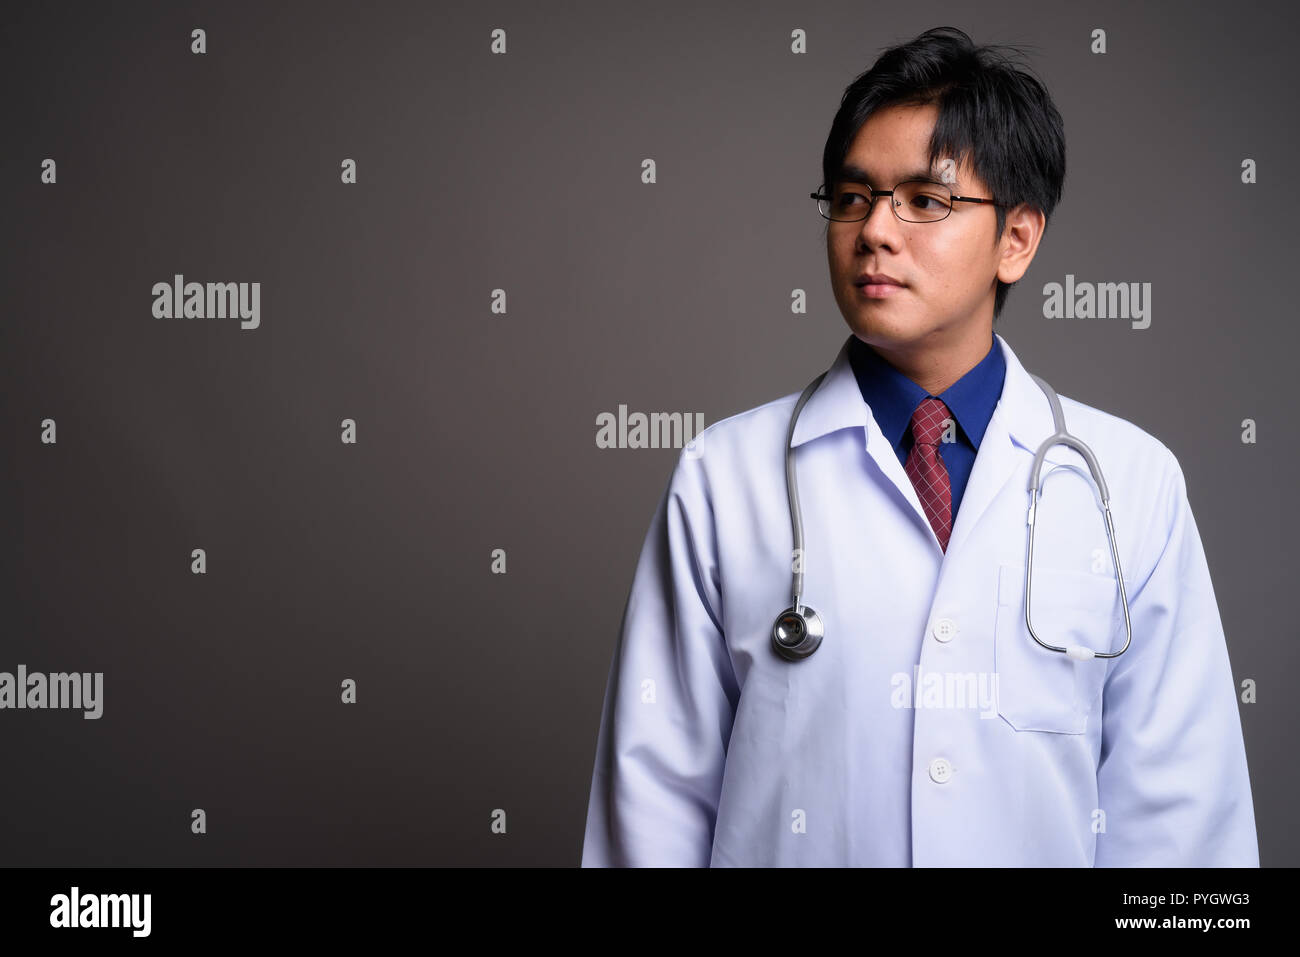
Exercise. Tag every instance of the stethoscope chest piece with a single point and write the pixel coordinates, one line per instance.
(796, 634)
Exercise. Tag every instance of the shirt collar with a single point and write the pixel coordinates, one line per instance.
(838, 403)
(893, 397)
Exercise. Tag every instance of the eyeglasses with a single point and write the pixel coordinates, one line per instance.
(916, 201)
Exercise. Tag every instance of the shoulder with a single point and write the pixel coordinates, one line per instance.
(737, 449)
(749, 429)
(1131, 447)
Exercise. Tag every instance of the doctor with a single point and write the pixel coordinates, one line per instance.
(929, 728)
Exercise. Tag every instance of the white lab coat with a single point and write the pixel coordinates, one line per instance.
(714, 751)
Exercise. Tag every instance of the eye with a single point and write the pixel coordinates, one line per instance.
(927, 202)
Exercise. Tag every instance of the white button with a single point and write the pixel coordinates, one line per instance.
(940, 771)
(944, 629)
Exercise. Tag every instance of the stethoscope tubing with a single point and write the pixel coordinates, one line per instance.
(798, 630)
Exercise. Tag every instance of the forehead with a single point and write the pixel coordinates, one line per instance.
(894, 145)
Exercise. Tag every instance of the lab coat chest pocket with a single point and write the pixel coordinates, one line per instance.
(1042, 690)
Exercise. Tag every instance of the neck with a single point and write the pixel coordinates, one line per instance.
(936, 364)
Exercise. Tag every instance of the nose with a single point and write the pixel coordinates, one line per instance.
(873, 229)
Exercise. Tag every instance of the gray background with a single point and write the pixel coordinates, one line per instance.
(476, 431)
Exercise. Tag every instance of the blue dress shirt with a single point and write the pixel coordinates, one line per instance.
(893, 398)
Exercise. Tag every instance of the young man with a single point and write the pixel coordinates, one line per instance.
(930, 727)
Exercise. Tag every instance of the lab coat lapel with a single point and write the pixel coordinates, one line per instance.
(994, 464)
(1021, 420)
(838, 404)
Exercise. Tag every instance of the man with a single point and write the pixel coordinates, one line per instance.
(929, 728)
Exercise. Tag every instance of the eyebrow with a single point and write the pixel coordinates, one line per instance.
(850, 173)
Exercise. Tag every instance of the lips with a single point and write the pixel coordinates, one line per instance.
(876, 279)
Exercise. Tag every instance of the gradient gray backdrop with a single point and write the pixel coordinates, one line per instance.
(477, 431)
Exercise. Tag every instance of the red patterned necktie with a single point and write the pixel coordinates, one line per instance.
(926, 469)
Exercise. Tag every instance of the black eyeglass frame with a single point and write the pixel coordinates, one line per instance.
(871, 204)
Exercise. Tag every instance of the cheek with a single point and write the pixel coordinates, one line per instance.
(842, 264)
(948, 264)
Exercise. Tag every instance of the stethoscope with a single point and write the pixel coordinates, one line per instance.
(798, 631)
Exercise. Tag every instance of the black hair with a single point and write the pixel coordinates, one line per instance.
(990, 108)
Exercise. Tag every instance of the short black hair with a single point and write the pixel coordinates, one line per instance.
(991, 109)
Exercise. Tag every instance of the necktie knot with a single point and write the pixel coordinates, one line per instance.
(929, 421)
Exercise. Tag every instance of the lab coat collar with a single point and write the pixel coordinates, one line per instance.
(1023, 418)
(837, 404)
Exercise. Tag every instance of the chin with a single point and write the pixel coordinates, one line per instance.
(875, 325)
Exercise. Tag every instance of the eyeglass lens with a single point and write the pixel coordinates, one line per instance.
(916, 202)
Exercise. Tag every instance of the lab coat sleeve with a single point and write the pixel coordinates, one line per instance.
(669, 697)
(1172, 777)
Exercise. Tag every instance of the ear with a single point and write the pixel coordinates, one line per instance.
(1019, 241)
